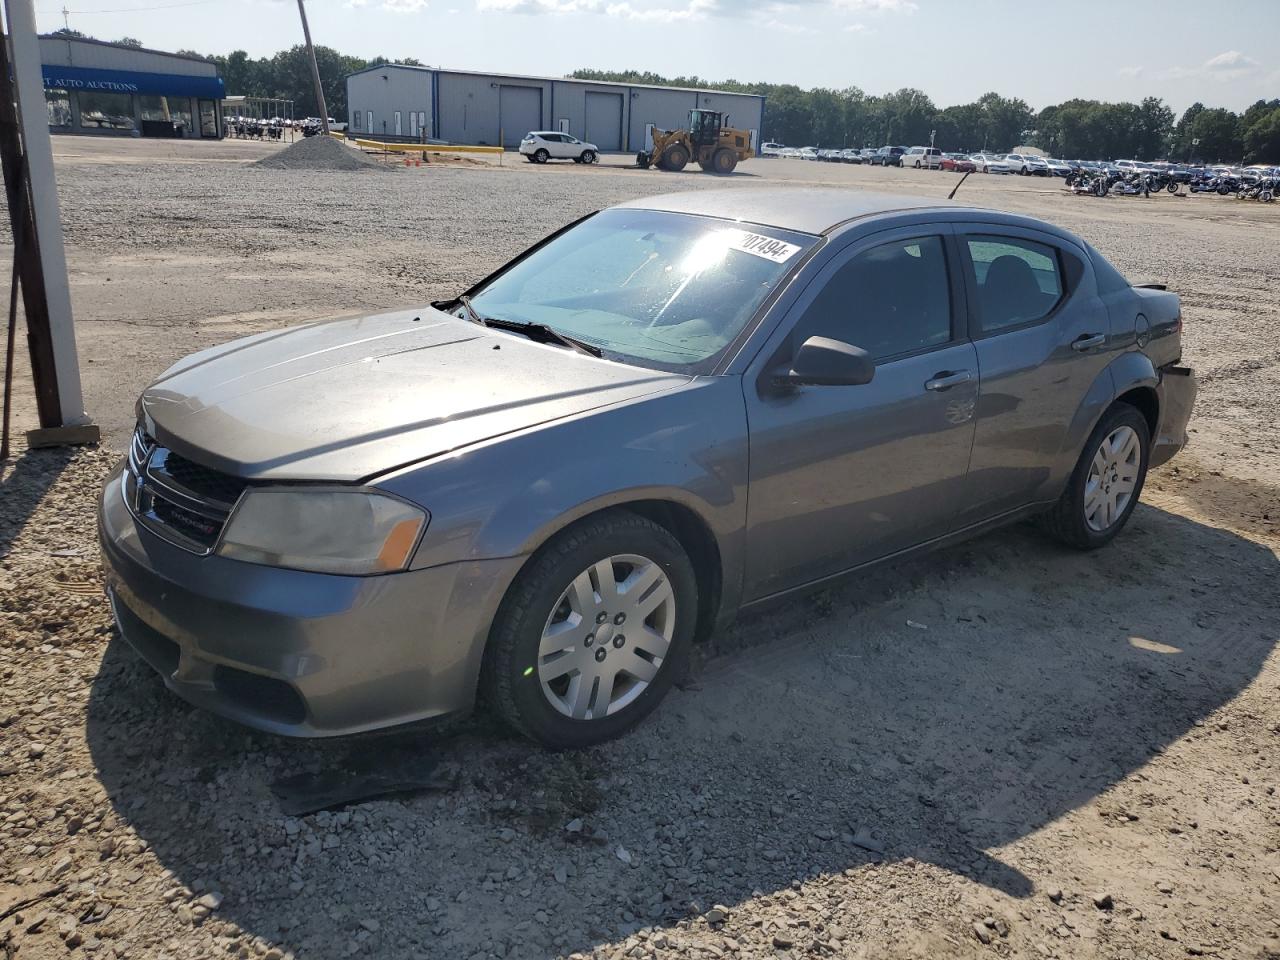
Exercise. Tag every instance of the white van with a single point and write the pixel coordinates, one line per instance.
(772, 149)
(930, 158)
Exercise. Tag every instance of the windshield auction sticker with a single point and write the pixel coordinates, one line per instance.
(759, 245)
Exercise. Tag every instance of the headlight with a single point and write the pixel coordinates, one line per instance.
(328, 531)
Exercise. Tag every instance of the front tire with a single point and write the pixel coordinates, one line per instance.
(592, 632)
(1107, 481)
(588, 156)
(675, 158)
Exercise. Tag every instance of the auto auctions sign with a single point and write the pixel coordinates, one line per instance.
(73, 83)
(128, 81)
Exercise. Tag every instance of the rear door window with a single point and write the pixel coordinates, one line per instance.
(1017, 282)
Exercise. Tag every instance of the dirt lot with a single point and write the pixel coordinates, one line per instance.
(1071, 756)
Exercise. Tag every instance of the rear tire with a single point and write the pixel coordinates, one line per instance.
(558, 594)
(1106, 483)
(541, 156)
(724, 161)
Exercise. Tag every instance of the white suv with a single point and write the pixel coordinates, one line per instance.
(1018, 162)
(930, 158)
(539, 146)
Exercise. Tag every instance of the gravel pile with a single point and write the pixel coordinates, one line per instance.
(320, 153)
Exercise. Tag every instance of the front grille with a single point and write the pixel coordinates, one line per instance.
(221, 488)
(178, 499)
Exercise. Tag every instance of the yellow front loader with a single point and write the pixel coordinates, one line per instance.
(716, 147)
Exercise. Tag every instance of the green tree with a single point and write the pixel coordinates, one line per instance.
(1180, 145)
(908, 116)
(1004, 121)
(1262, 137)
(1218, 131)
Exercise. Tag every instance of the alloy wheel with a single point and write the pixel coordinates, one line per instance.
(1112, 477)
(607, 637)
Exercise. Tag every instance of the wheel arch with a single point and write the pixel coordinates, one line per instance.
(1130, 378)
(689, 527)
(1147, 401)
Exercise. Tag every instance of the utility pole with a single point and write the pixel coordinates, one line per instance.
(315, 70)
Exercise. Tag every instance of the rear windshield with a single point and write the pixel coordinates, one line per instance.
(662, 290)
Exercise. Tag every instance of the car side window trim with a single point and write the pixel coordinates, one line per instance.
(965, 230)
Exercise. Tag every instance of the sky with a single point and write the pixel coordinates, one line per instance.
(953, 50)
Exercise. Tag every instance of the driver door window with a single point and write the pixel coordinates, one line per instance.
(891, 300)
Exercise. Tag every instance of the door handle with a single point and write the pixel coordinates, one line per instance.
(948, 379)
(1088, 341)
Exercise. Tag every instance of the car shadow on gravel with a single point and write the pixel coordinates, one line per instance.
(935, 712)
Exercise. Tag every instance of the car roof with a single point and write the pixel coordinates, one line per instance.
(820, 210)
(806, 209)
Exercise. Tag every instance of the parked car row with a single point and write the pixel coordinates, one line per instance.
(1026, 164)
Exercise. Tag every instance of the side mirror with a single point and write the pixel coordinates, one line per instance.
(823, 362)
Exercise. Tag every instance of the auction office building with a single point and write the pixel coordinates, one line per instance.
(409, 103)
(107, 88)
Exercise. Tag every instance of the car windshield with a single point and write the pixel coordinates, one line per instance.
(662, 290)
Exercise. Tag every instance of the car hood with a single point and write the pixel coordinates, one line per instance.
(345, 400)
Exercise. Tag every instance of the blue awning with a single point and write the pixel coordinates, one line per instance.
(127, 81)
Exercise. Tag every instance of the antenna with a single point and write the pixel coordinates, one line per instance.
(951, 195)
(65, 22)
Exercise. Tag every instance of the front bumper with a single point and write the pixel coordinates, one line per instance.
(297, 653)
(1177, 394)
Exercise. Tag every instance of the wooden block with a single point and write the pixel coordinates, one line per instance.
(78, 435)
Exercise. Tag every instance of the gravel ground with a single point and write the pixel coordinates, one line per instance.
(1003, 748)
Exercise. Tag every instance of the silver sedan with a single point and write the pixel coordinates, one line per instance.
(546, 489)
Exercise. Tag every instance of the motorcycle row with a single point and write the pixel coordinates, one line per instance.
(250, 128)
(1135, 184)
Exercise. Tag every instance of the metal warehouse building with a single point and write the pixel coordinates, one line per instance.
(397, 102)
(106, 88)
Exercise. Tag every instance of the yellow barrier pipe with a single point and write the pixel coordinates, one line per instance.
(420, 147)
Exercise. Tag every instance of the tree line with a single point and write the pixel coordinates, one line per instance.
(823, 117)
(1077, 129)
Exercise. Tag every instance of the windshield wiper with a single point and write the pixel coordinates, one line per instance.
(472, 313)
(538, 331)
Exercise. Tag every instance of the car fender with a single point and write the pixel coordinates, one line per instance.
(1129, 370)
(508, 496)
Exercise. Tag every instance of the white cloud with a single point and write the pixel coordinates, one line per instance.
(1226, 66)
(1130, 72)
(784, 26)
(856, 28)
(696, 10)
(392, 6)
(1231, 62)
(878, 6)
(769, 14)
